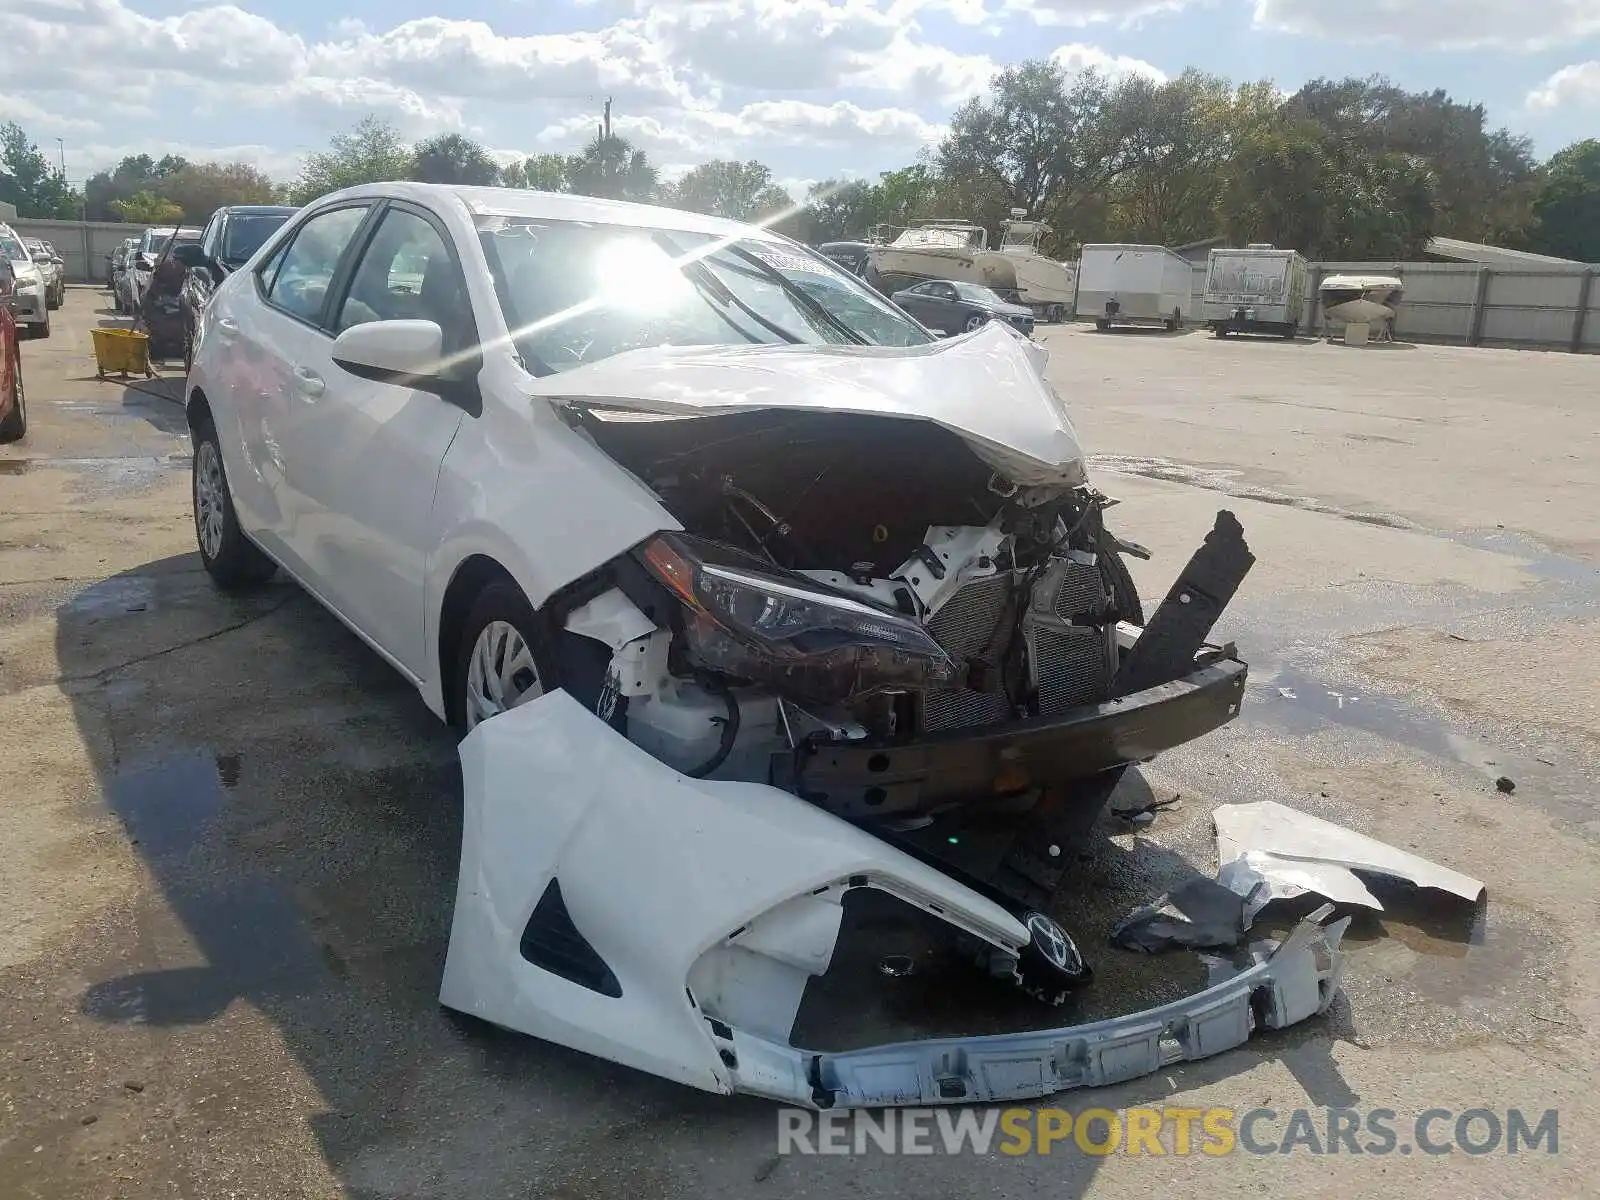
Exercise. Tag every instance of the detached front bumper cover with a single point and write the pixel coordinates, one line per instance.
(610, 904)
(1286, 984)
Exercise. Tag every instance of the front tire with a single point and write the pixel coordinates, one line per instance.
(503, 658)
(974, 323)
(232, 560)
(15, 424)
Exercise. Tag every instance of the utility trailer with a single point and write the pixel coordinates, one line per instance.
(1133, 285)
(1259, 289)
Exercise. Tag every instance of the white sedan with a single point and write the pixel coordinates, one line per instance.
(762, 585)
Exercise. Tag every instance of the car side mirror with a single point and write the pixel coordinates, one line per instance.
(410, 354)
(404, 353)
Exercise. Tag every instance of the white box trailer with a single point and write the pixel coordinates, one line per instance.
(1133, 285)
(1259, 289)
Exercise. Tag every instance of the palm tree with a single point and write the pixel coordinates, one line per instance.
(611, 167)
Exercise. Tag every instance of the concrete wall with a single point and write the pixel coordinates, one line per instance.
(84, 244)
(1536, 308)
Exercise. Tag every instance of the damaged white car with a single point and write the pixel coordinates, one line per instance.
(770, 595)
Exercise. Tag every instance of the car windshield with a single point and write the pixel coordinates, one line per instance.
(14, 249)
(246, 233)
(574, 292)
(978, 294)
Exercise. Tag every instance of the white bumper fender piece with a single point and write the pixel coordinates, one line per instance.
(668, 908)
(612, 905)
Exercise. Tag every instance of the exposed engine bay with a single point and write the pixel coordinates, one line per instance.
(967, 600)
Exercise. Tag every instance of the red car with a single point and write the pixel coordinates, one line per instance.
(13, 408)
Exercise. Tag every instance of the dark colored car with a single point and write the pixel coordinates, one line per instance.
(855, 257)
(13, 405)
(229, 239)
(953, 307)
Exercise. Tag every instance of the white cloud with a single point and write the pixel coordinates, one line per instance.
(1441, 25)
(1080, 13)
(752, 130)
(1077, 57)
(42, 124)
(1577, 86)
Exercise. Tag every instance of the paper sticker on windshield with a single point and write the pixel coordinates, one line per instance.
(781, 258)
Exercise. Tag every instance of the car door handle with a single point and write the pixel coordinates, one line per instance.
(227, 328)
(308, 383)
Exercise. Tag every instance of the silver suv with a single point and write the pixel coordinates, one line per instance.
(32, 304)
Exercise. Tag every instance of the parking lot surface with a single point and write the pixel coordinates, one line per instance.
(230, 831)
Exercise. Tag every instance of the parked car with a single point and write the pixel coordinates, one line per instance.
(122, 275)
(954, 307)
(29, 295)
(13, 403)
(639, 499)
(230, 238)
(54, 269)
(152, 244)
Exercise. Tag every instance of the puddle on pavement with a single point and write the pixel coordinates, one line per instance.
(1536, 560)
(237, 919)
(1298, 703)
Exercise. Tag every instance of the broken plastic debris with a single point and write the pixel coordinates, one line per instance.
(1269, 852)
(1200, 914)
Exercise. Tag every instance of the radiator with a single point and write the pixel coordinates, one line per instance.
(1071, 664)
(964, 625)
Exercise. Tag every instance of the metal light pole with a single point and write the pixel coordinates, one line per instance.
(61, 147)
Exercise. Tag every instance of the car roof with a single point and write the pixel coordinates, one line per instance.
(287, 210)
(552, 206)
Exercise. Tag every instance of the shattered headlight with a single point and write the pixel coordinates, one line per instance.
(744, 620)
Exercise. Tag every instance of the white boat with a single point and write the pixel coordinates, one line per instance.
(1360, 299)
(959, 251)
(1045, 285)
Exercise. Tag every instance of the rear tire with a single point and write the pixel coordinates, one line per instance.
(15, 424)
(232, 560)
(1101, 325)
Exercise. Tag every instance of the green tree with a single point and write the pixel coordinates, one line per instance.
(723, 188)
(612, 168)
(28, 181)
(1040, 141)
(452, 158)
(147, 208)
(372, 152)
(540, 173)
(199, 189)
(838, 211)
(135, 173)
(1566, 206)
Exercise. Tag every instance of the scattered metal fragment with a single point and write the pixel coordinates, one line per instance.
(1199, 914)
(896, 966)
(1270, 852)
(1505, 784)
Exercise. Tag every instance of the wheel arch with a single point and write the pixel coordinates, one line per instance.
(471, 576)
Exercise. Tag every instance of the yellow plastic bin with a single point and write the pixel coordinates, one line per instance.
(122, 352)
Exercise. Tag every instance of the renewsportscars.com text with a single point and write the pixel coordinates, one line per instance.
(1213, 1132)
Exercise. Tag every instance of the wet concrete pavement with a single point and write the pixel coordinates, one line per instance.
(230, 830)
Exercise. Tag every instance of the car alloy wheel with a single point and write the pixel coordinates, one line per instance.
(501, 673)
(209, 498)
(975, 322)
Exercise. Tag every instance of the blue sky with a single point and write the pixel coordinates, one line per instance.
(813, 88)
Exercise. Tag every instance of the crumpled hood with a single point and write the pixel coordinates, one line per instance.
(987, 386)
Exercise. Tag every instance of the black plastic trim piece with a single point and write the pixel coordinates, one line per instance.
(552, 943)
